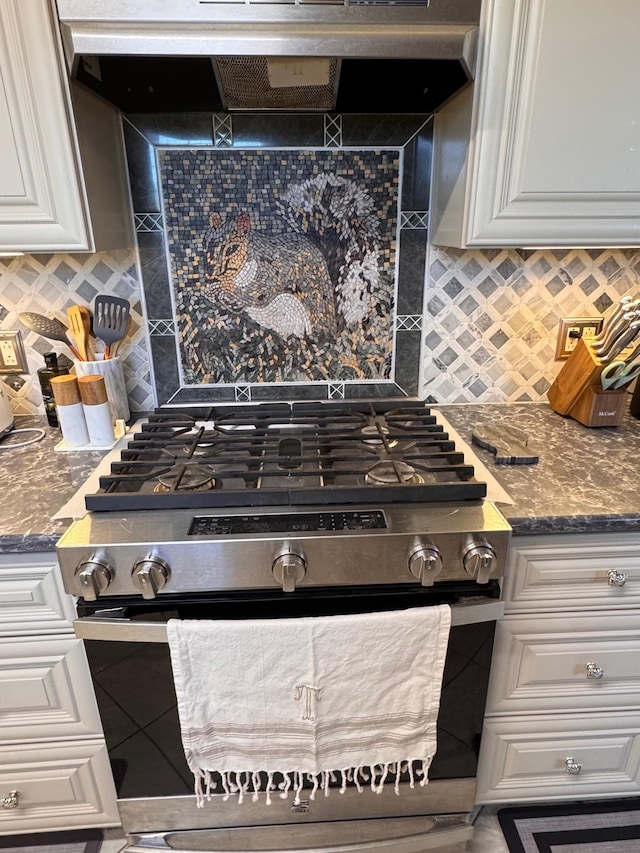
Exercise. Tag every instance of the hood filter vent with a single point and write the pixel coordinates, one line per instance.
(259, 83)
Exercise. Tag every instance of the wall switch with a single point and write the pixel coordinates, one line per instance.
(12, 355)
(571, 330)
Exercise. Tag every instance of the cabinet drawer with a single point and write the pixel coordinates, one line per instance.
(32, 600)
(559, 664)
(46, 690)
(529, 759)
(579, 574)
(62, 786)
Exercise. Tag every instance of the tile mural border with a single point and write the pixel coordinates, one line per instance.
(411, 135)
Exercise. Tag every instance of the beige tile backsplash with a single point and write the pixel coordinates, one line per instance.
(491, 317)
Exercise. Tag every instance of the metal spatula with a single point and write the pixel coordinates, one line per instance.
(110, 319)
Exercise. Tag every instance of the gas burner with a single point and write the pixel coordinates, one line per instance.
(186, 478)
(203, 446)
(376, 431)
(390, 472)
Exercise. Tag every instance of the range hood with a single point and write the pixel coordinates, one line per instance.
(163, 55)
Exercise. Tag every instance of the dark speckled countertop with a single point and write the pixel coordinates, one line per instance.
(35, 482)
(586, 479)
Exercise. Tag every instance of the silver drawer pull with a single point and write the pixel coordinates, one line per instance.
(616, 578)
(593, 670)
(572, 766)
(10, 801)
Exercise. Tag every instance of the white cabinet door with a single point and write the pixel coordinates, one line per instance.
(553, 664)
(45, 690)
(550, 759)
(548, 152)
(63, 184)
(32, 599)
(57, 786)
(42, 206)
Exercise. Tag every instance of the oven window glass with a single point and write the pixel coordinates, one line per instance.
(136, 697)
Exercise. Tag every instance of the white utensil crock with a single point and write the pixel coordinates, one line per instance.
(111, 369)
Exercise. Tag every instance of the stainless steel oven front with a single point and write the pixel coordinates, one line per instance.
(126, 645)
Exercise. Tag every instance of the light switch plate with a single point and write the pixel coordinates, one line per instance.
(13, 358)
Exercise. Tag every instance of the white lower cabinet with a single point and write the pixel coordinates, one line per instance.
(54, 767)
(563, 708)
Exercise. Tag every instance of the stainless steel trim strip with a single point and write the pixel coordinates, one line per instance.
(397, 835)
(129, 631)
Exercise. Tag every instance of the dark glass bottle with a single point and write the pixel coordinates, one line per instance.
(635, 401)
(45, 375)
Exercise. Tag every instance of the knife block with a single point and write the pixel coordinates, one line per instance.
(577, 392)
(598, 408)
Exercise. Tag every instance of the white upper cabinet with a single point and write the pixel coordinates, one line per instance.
(544, 150)
(46, 202)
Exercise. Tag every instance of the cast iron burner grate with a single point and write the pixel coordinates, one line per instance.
(285, 454)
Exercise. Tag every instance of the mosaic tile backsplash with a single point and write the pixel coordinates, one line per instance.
(491, 317)
(48, 284)
(282, 256)
(283, 263)
(478, 326)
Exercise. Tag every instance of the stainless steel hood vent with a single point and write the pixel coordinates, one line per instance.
(373, 37)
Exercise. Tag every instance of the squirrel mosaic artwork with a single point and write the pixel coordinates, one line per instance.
(312, 280)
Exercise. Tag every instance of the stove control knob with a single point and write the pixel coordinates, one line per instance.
(150, 575)
(288, 570)
(92, 577)
(425, 563)
(479, 560)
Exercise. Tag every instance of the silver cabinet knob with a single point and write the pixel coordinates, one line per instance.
(573, 767)
(593, 670)
(150, 575)
(288, 570)
(425, 563)
(615, 578)
(11, 801)
(92, 577)
(479, 560)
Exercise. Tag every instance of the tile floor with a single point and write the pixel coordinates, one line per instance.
(487, 838)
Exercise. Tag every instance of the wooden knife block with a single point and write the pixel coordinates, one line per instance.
(577, 391)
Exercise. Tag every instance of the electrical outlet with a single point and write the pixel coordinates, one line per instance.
(12, 355)
(571, 330)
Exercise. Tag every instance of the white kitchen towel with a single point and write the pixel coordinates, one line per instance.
(346, 698)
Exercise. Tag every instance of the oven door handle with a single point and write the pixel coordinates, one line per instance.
(131, 631)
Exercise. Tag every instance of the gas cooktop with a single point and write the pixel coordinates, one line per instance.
(283, 454)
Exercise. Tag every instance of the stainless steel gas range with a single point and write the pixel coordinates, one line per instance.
(276, 510)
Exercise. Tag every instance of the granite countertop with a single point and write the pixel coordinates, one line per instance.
(586, 479)
(35, 481)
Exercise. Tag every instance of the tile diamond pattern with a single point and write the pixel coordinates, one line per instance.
(48, 284)
(333, 131)
(222, 130)
(414, 219)
(148, 222)
(162, 328)
(408, 322)
(492, 317)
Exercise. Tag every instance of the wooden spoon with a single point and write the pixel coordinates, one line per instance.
(77, 329)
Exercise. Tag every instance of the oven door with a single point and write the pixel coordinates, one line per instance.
(130, 665)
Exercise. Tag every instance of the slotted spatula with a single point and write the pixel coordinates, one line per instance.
(110, 319)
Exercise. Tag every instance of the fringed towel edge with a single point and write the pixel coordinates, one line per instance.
(245, 783)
